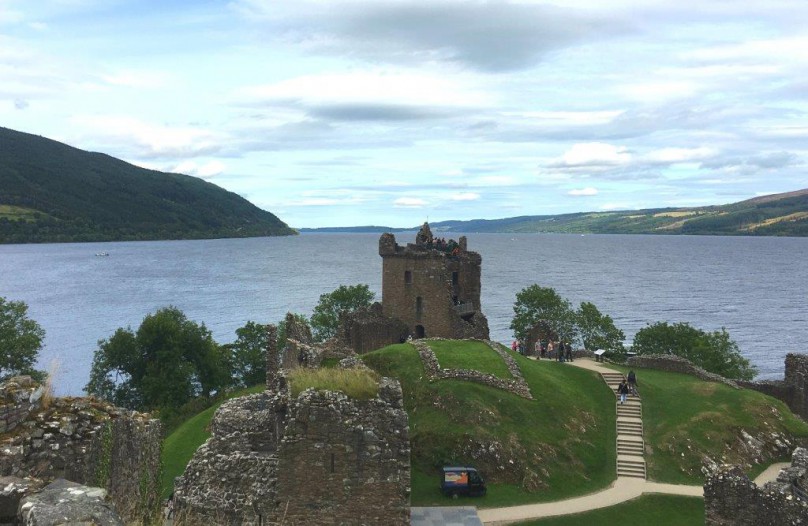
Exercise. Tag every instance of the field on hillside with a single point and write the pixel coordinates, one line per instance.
(559, 445)
(686, 418)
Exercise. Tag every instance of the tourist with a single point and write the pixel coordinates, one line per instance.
(561, 350)
(537, 348)
(514, 346)
(569, 352)
(622, 390)
(550, 349)
(632, 383)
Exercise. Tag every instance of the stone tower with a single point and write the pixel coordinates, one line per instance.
(433, 286)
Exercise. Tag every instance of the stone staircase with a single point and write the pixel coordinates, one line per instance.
(630, 444)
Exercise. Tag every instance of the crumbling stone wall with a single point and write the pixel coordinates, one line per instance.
(321, 458)
(345, 461)
(677, 364)
(436, 294)
(368, 329)
(731, 499)
(434, 371)
(231, 479)
(87, 442)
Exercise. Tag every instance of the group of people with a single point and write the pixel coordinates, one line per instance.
(554, 350)
(628, 385)
(441, 244)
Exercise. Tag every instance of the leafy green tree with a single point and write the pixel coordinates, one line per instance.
(597, 330)
(248, 361)
(536, 304)
(325, 319)
(713, 351)
(20, 340)
(166, 363)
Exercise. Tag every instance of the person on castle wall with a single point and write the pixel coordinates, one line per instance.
(622, 390)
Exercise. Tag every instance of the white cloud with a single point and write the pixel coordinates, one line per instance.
(594, 154)
(680, 155)
(207, 170)
(138, 79)
(583, 191)
(152, 140)
(409, 202)
(465, 196)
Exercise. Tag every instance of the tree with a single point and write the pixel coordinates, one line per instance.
(713, 351)
(325, 319)
(169, 361)
(597, 331)
(535, 305)
(20, 340)
(248, 358)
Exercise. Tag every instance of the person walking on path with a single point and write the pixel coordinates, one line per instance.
(561, 351)
(569, 352)
(632, 383)
(537, 349)
(622, 390)
(550, 349)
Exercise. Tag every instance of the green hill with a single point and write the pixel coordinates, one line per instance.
(562, 443)
(52, 192)
(772, 215)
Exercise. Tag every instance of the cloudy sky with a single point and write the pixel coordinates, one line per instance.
(336, 113)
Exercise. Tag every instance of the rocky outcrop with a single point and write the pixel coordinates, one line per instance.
(64, 502)
(731, 499)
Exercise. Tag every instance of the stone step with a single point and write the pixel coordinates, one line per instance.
(629, 431)
(632, 474)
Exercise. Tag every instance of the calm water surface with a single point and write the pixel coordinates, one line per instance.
(755, 287)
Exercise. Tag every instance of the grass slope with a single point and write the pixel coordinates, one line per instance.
(685, 418)
(659, 510)
(562, 442)
(469, 355)
(52, 192)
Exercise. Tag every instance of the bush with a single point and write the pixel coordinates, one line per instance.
(713, 351)
(325, 319)
(20, 340)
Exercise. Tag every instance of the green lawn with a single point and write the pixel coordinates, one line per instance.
(684, 418)
(563, 440)
(180, 446)
(461, 354)
(656, 510)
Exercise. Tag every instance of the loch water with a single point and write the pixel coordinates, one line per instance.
(755, 287)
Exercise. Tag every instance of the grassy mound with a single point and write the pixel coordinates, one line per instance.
(685, 418)
(659, 510)
(559, 445)
(452, 354)
(355, 383)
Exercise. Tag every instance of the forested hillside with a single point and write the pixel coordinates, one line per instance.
(51, 192)
(772, 215)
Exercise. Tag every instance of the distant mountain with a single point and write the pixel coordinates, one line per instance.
(771, 215)
(52, 192)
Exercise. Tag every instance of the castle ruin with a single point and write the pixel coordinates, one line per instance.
(433, 286)
(319, 458)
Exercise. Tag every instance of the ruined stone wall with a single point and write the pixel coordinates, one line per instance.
(232, 478)
(434, 371)
(796, 376)
(346, 461)
(322, 458)
(368, 329)
(87, 442)
(731, 499)
(677, 364)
